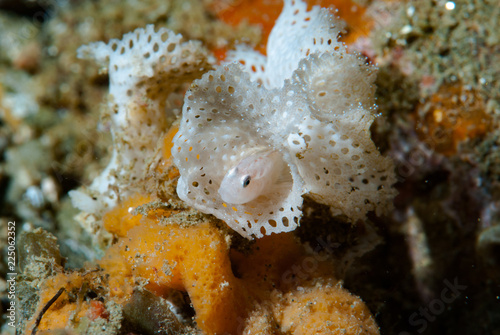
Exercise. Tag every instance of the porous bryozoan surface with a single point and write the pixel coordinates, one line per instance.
(218, 132)
(145, 67)
(309, 100)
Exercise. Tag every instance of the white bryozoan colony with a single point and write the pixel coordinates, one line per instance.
(145, 69)
(258, 133)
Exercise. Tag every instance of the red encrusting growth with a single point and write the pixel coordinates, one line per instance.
(97, 310)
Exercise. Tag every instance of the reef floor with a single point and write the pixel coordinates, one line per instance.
(150, 264)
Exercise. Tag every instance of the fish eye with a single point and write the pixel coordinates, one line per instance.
(246, 181)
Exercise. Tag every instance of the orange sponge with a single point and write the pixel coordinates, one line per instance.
(452, 115)
(195, 259)
(326, 309)
(70, 306)
(121, 219)
(275, 287)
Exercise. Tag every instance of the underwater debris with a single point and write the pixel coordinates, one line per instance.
(44, 309)
(314, 109)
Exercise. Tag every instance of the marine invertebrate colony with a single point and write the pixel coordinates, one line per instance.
(145, 67)
(260, 300)
(294, 122)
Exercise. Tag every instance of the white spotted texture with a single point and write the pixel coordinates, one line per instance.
(149, 61)
(336, 83)
(145, 67)
(312, 103)
(341, 166)
(296, 34)
(254, 63)
(222, 124)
